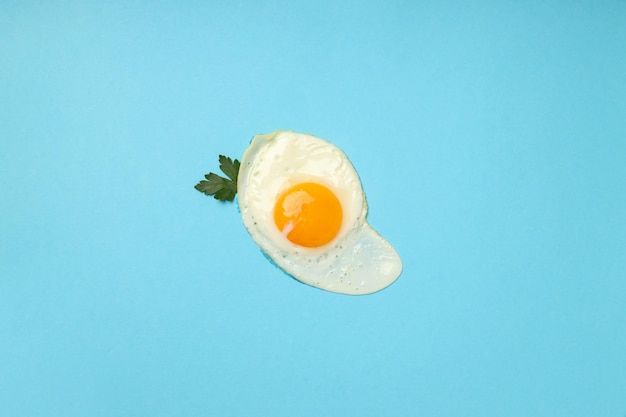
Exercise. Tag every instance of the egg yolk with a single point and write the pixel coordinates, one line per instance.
(308, 214)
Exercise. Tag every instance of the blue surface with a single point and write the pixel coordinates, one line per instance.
(491, 142)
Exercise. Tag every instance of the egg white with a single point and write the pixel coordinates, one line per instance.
(358, 260)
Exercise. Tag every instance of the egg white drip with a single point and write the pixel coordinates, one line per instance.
(357, 260)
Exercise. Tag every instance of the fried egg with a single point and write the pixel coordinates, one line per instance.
(302, 202)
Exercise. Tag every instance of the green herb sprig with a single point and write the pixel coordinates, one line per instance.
(223, 189)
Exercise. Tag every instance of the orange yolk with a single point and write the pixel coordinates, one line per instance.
(308, 214)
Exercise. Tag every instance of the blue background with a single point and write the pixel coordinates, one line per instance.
(491, 141)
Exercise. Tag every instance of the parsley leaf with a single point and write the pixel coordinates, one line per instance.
(223, 189)
(230, 168)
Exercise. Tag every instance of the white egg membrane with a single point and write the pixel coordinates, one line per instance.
(358, 260)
